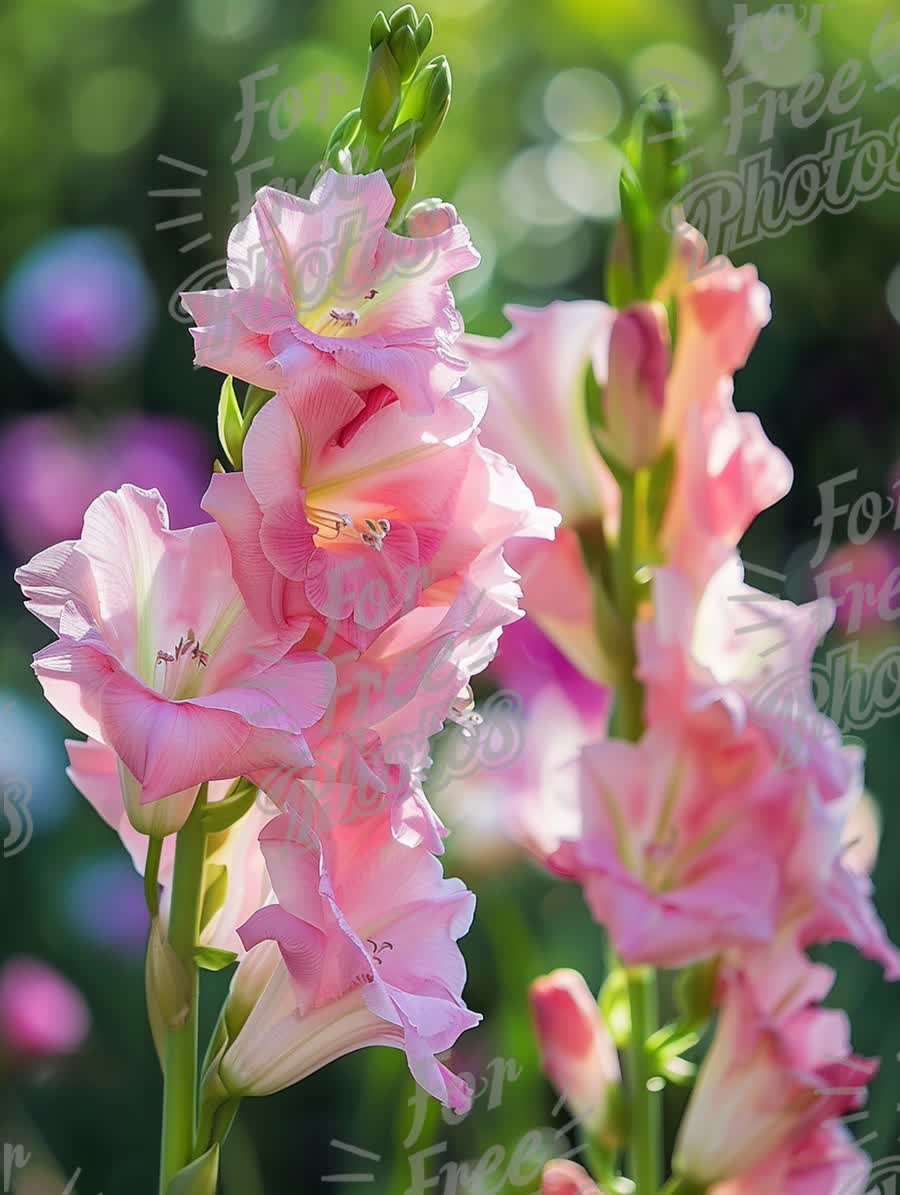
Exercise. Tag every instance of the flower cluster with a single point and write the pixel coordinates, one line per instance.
(708, 831)
(305, 644)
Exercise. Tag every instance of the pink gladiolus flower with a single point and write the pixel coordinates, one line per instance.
(158, 658)
(562, 1177)
(320, 284)
(93, 769)
(825, 1162)
(577, 1053)
(41, 1014)
(721, 311)
(764, 1085)
(349, 526)
(862, 580)
(537, 418)
(677, 859)
(726, 473)
(366, 929)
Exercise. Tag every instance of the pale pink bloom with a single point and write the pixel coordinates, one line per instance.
(93, 770)
(578, 1055)
(721, 310)
(726, 473)
(634, 395)
(824, 1162)
(505, 782)
(393, 697)
(158, 657)
(743, 656)
(765, 1084)
(41, 1014)
(562, 1177)
(535, 376)
(349, 520)
(366, 929)
(678, 860)
(320, 284)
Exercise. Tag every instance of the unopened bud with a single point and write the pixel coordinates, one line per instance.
(381, 93)
(430, 217)
(635, 393)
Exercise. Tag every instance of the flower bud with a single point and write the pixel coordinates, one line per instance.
(405, 15)
(634, 397)
(159, 818)
(424, 33)
(380, 31)
(577, 1053)
(660, 145)
(430, 217)
(381, 92)
(428, 100)
(403, 46)
(398, 161)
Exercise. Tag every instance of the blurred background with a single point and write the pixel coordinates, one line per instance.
(136, 134)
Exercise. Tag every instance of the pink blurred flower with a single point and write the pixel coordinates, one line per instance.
(366, 930)
(764, 1085)
(41, 1014)
(321, 284)
(158, 658)
(78, 303)
(562, 1177)
(577, 1053)
(824, 1162)
(862, 579)
(537, 418)
(52, 468)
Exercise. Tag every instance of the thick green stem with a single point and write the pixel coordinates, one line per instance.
(180, 1089)
(645, 1147)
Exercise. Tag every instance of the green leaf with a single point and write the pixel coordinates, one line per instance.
(210, 958)
(199, 1178)
(231, 424)
(215, 894)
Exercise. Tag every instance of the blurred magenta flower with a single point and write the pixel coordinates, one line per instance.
(41, 1014)
(527, 661)
(78, 303)
(52, 468)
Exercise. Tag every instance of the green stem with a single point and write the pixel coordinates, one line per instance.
(151, 876)
(180, 1088)
(682, 1186)
(628, 714)
(645, 1153)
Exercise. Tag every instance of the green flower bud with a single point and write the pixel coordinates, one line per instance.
(344, 132)
(403, 46)
(406, 15)
(659, 141)
(424, 33)
(381, 93)
(428, 100)
(380, 31)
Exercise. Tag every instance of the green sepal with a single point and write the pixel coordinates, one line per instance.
(659, 489)
(221, 815)
(200, 1177)
(380, 31)
(218, 467)
(215, 894)
(615, 1007)
(695, 991)
(211, 958)
(427, 101)
(424, 33)
(230, 423)
(342, 137)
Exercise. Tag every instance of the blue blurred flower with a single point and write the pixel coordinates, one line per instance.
(78, 303)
